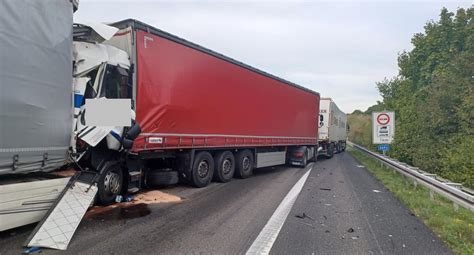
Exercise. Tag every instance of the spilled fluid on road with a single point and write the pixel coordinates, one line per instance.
(138, 207)
(118, 212)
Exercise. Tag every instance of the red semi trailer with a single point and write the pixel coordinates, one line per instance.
(206, 116)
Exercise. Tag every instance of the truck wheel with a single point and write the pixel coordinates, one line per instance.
(203, 169)
(305, 161)
(161, 178)
(330, 150)
(110, 183)
(225, 166)
(244, 164)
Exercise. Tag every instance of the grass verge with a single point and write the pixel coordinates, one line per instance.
(455, 228)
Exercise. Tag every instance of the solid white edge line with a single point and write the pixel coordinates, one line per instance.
(265, 239)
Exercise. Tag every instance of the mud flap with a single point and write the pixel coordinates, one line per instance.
(58, 226)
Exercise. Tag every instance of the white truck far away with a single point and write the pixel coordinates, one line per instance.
(332, 128)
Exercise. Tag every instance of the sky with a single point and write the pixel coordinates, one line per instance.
(337, 48)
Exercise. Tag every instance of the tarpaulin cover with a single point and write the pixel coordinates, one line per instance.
(189, 99)
(35, 84)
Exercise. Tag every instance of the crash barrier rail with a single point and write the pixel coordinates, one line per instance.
(459, 195)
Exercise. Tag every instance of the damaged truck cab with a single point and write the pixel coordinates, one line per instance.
(102, 73)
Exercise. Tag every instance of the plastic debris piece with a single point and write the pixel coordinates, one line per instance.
(350, 230)
(118, 199)
(328, 189)
(128, 198)
(34, 249)
(302, 216)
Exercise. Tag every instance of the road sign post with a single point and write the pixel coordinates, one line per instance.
(383, 128)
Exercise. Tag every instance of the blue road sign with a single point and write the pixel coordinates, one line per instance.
(383, 147)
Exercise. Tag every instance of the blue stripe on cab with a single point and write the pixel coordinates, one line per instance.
(78, 100)
(116, 136)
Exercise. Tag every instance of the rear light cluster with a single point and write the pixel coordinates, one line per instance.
(298, 154)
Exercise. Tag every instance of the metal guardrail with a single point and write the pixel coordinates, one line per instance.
(453, 191)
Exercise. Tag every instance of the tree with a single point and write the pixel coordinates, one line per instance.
(433, 98)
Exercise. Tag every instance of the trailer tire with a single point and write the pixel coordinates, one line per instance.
(161, 178)
(305, 161)
(110, 182)
(330, 150)
(244, 164)
(224, 166)
(203, 169)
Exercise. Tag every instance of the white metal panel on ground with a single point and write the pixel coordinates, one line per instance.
(26, 203)
(58, 228)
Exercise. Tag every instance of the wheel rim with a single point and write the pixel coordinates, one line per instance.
(112, 182)
(226, 166)
(203, 169)
(246, 163)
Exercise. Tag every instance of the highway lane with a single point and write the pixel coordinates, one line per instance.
(352, 213)
(227, 218)
(221, 218)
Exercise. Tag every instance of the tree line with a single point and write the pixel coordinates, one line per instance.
(433, 99)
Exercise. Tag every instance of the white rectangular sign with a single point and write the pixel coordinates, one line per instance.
(383, 127)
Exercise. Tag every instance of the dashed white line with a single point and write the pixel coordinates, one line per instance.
(264, 241)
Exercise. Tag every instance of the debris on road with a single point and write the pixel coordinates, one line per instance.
(155, 196)
(355, 237)
(327, 231)
(360, 166)
(302, 216)
(350, 230)
(32, 250)
(127, 203)
(328, 189)
(376, 191)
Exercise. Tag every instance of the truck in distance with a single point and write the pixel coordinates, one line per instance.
(332, 128)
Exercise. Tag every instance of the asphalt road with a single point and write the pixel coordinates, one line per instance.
(346, 210)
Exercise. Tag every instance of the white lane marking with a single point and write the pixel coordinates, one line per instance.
(264, 241)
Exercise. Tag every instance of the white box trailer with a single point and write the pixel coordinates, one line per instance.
(332, 128)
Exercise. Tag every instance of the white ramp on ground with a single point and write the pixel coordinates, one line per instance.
(57, 229)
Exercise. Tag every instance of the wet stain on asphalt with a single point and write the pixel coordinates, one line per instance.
(130, 211)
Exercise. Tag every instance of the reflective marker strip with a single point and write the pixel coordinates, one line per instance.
(264, 241)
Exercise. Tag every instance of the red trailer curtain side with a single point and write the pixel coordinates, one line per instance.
(187, 98)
